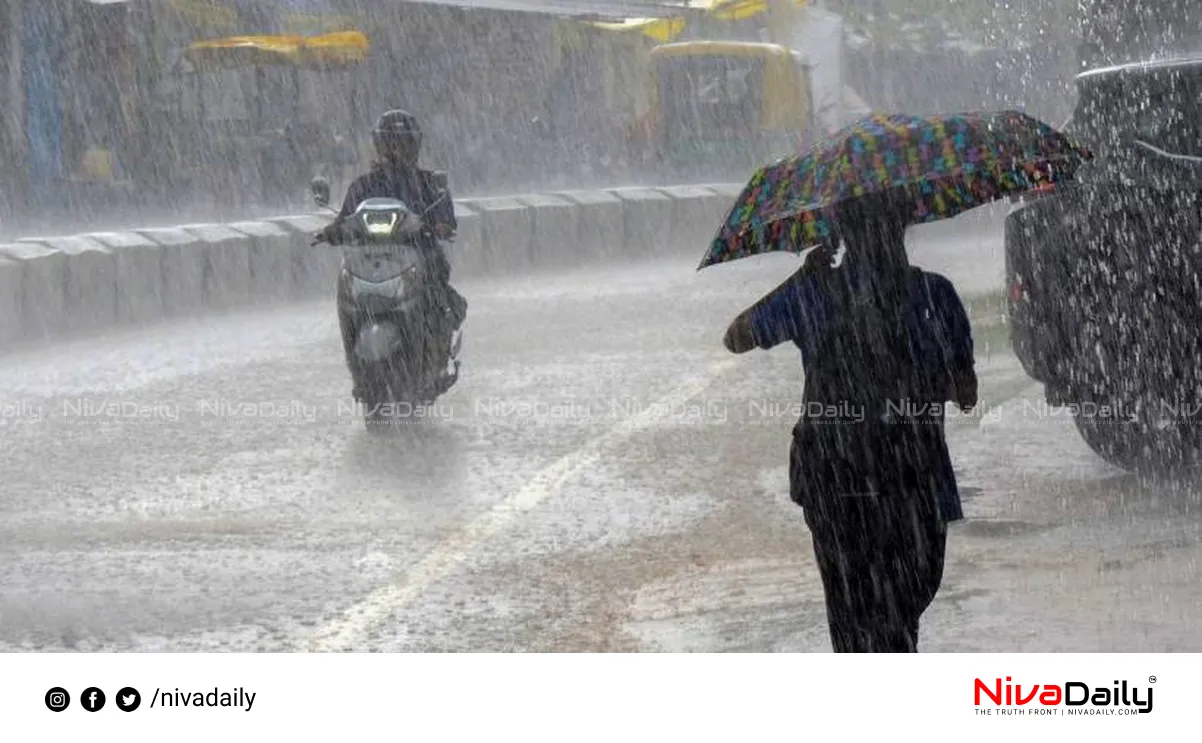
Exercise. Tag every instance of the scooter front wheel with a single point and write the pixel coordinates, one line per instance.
(380, 406)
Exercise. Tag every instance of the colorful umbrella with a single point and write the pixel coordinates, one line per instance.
(946, 164)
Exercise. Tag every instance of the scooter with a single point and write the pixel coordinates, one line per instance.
(384, 288)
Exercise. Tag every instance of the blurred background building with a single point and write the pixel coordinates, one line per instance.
(120, 104)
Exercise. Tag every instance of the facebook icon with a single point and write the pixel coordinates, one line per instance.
(92, 699)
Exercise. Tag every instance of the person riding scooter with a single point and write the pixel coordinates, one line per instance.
(398, 139)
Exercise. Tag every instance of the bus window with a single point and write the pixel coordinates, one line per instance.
(715, 95)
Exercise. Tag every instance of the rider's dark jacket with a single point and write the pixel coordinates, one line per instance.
(414, 186)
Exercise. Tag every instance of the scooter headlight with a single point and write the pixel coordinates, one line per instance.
(381, 224)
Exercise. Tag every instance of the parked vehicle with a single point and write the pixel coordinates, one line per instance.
(1105, 275)
(248, 117)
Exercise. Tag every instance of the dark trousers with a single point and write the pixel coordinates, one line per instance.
(881, 561)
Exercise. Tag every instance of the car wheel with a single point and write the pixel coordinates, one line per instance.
(1144, 444)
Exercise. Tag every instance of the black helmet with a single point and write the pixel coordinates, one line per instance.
(398, 137)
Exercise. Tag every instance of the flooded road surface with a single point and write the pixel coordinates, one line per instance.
(604, 477)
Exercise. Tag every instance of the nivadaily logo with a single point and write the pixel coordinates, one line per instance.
(1072, 697)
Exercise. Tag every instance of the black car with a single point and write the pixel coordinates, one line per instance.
(1105, 273)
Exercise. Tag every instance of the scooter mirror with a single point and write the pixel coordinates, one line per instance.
(320, 189)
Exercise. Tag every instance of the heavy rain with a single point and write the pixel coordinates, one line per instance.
(237, 415)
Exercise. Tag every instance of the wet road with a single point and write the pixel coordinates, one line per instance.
(604, 477)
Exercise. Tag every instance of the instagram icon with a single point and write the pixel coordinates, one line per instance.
(57, 699)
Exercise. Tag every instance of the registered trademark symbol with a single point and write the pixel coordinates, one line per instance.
(1151, 679)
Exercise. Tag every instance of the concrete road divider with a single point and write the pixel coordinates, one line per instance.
(54, 286)
(226, 264)
(139, 264)
(314, 267)
(598, 224)
(91, 281)
(507, 227)
(555, 226)
(728, 191)
(182, 267)
(43, 296)
(273, 251)
(647, 228)
(697, 212)
(12, 329)
(466, 254)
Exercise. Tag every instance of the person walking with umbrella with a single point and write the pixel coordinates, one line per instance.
(884, 344)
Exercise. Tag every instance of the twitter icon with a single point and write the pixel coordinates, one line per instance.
(128, 699)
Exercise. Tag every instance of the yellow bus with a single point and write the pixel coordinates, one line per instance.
(722, 106)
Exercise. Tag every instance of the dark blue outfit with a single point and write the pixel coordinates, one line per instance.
(869, 465)
(940, 336)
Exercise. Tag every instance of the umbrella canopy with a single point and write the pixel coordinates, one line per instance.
(944, 164)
